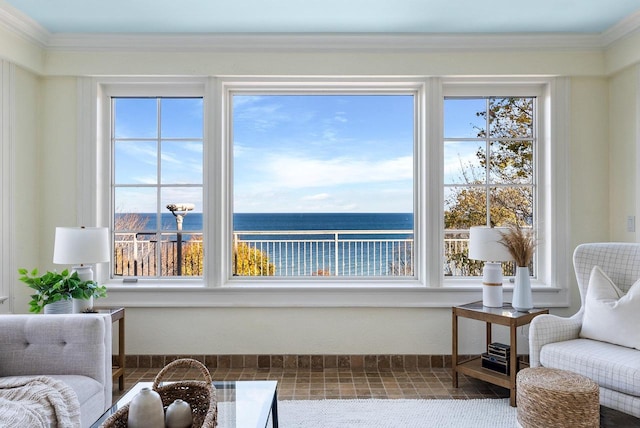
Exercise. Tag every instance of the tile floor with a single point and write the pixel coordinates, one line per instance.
(343, 383)
(306, 384)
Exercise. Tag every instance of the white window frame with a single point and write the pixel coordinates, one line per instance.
(551, 169)
(101, 211)
(166, 91)
(470, 90)
(8, 269)
(416, 88)
(427, 289)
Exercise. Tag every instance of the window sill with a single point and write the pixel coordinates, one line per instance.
(292, 296)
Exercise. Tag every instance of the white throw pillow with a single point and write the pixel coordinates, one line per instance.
(609, 314)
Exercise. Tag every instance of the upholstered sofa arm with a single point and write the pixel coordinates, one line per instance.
(548, 328)
(77, 344)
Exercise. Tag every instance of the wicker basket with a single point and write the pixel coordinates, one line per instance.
(201, 396)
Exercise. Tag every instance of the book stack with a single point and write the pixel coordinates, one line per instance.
(497, 358)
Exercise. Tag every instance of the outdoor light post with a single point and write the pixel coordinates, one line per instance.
(179, 211)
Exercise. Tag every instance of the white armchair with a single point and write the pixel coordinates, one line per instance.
(555, 341)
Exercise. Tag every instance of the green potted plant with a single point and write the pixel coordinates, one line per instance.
(58, 289)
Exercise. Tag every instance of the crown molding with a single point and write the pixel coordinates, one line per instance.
(23, 26)
(624, 28)
(27, 28)
(320, 42)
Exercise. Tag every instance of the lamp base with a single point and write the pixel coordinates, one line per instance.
(85, 273)
(492, 296)
(492, 285)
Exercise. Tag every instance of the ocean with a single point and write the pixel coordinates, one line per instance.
(291, 221)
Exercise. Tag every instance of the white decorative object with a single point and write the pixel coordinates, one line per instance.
(610, 315)
(59, 307)
(81, 246)
(484, 244)
(145, 410)
(178, 415)
(522, 296)
(82, 305)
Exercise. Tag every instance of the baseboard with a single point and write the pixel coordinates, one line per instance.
(311, 362)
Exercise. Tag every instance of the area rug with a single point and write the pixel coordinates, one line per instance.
(373, 413)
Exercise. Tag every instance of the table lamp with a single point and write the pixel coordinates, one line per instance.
(81, 247)
(484, 244)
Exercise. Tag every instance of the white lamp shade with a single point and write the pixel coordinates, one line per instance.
(484, 244)
(81, 245)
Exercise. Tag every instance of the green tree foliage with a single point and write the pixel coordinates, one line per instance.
(249, 261)
(510, 171)
(510, 162)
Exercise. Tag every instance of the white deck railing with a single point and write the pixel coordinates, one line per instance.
(297, 253)
(334, 253)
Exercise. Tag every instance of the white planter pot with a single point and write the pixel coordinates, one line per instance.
(80, 305)
(59, 307)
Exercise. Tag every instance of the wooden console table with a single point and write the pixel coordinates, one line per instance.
(117, 314)
(507, 316)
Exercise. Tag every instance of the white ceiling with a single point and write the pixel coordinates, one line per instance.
(325, 16)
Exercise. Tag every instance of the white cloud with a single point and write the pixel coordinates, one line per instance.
(142, 152)
(192, 147)
(340, 117)
(300, 172)
(148, 179)
(316, 197)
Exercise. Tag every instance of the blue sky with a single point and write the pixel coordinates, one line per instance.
(291, 153)
(136, 152)
(323, 153)
(461, 121)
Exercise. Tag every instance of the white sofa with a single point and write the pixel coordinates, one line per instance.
(555, 341)
(75, 349)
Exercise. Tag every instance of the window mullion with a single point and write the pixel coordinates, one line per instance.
(159, 238)
(488, 155)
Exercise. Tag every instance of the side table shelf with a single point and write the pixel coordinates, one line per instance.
(506, 316)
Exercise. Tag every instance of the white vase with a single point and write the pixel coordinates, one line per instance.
(59, 307)
(145, 410)
(522, 297)
(178, 415)
(81, 305)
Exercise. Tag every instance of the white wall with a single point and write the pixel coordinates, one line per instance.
(27, 206)
(623, 134)
(50, 136)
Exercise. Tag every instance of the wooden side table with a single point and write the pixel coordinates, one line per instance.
(117, 314)
(507, 316)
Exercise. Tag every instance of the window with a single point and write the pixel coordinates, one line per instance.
(403, 148)
(489, 171)
(157, 186)
(323, 184)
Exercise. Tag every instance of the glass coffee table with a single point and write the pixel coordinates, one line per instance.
(241, 404)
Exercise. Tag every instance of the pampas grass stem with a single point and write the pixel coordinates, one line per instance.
(520, 243)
